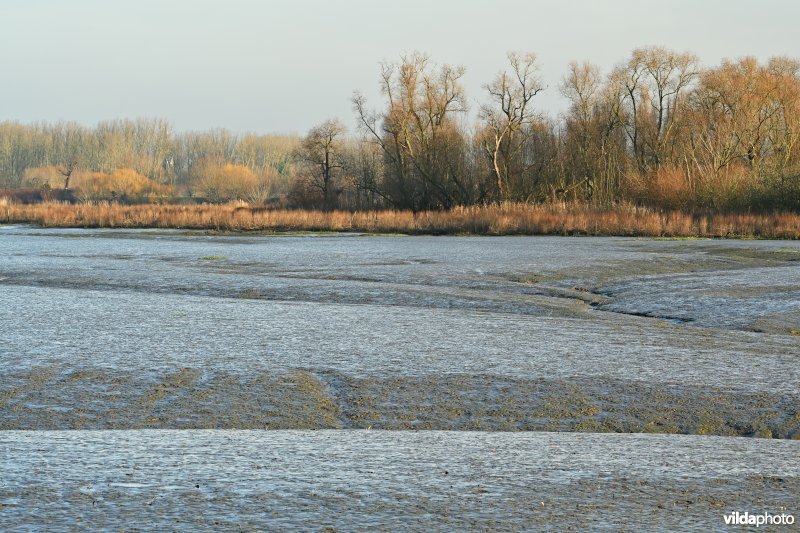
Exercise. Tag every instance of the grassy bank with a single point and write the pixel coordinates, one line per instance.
(507, 219)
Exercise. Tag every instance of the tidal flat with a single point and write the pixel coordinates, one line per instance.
(230, 344)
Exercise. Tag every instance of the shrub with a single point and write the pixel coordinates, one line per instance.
(122, 184)
(218, 181)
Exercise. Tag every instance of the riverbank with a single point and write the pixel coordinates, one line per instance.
(506, 219)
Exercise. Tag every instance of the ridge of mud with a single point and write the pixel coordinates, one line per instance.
(48, 399)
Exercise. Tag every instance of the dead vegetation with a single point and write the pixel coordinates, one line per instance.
(504, 219)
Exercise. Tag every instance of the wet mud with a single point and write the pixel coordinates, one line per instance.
(126, 329)
(307, 399)
(385, 481)
(188, 342)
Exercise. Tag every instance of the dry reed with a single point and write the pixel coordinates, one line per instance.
(506, 219)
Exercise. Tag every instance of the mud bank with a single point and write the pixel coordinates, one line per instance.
(191, 398)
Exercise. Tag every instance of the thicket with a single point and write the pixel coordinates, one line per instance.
(658, 130)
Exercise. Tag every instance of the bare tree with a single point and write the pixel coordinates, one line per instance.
(419, 134)
(745, 117)
(320, 151)
(654, 81)
(593, 140)
(67, 171)
(507, 117)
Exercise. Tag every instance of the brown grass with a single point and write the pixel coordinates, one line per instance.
(507, 219)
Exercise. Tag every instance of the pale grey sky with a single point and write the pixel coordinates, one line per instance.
(285, 65)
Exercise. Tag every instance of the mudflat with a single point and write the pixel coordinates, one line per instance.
(493, 338)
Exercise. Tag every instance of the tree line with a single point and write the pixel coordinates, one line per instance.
(659, 129)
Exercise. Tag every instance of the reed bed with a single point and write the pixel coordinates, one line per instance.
(505, 219)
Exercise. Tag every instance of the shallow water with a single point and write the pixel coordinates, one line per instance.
(129, 330)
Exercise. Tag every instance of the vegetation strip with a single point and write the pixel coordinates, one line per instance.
(503, 219)
(190, 398)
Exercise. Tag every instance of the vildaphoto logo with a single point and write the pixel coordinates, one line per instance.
(763, 519)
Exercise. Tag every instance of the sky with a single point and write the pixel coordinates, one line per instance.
(283, 66)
